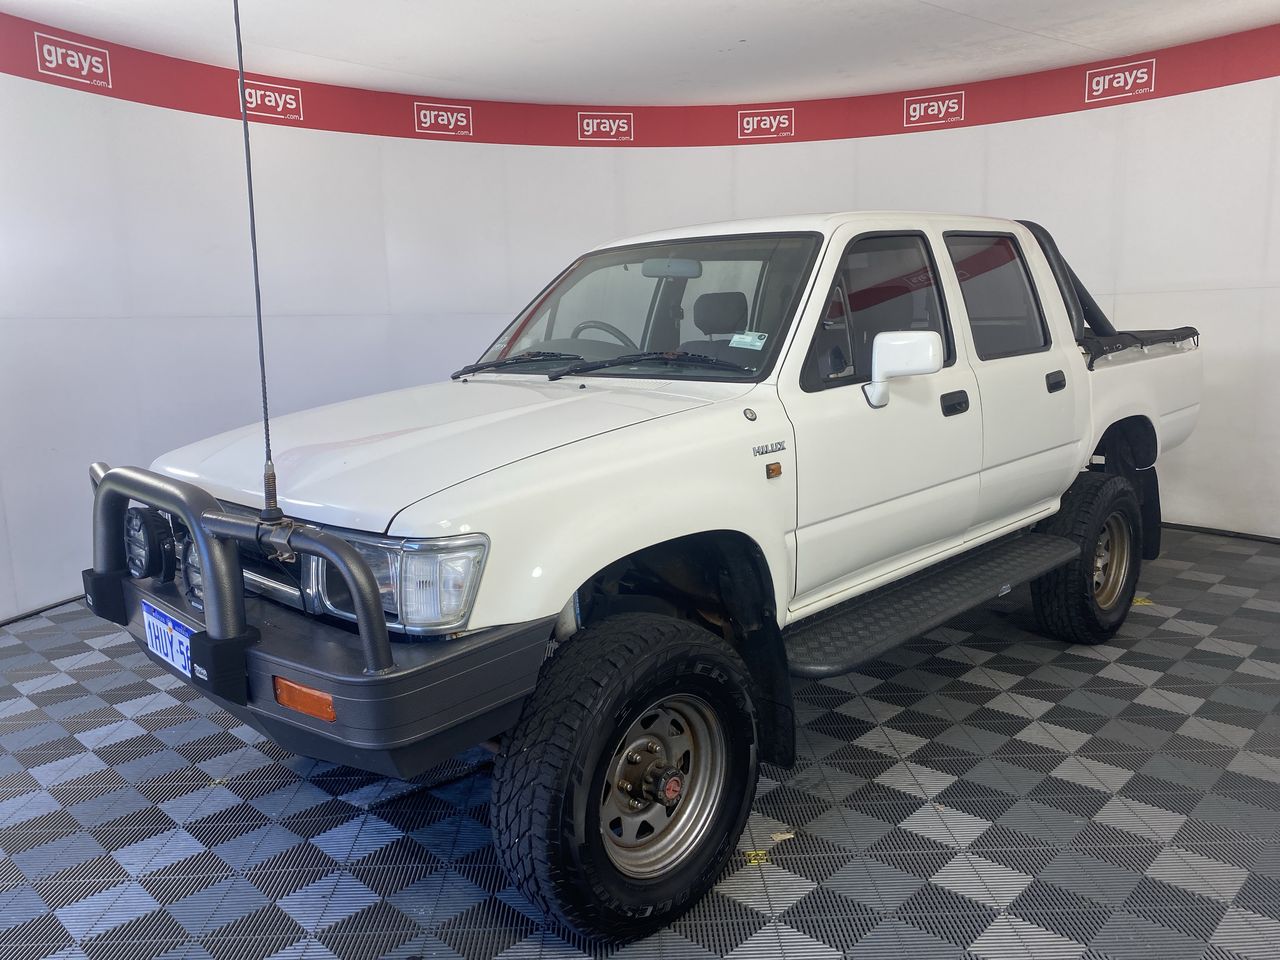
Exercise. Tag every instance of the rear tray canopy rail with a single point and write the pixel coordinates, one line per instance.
(1094, 331)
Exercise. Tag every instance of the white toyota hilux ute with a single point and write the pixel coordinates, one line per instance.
(700, 463)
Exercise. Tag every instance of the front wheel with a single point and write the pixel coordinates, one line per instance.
(1087, 600)
(621, 792)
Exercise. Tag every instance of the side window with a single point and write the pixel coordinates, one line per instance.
(1003, 312)
(884, 283)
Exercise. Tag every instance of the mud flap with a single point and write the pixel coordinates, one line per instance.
(1149, 496)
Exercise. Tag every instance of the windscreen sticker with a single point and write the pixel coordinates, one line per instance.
(749, 341)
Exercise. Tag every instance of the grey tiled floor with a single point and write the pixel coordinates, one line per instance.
(979, 792)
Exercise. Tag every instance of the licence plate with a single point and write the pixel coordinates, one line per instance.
(167, 638)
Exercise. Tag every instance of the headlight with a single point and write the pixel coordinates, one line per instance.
(385, 564)
(148, 544)
(425, 584)
(192, 575)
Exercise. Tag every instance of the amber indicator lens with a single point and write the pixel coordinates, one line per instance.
(772, 471)
(295, 696)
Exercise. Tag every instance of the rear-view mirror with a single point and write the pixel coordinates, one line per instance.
(671, 268)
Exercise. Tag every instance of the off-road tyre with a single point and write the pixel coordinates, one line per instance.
(551, 771)
(1065, 601)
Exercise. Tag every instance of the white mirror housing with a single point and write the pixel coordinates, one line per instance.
(901, 353)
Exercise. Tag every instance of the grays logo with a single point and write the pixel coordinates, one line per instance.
(1120, 80)
(443, 119)
(766, 124)
(72, 61)
(272, 100)
(612, 127)
(935, 108)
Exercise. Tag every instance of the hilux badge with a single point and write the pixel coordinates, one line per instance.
(766, 448)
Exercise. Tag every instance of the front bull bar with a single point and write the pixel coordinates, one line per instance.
(216, 535)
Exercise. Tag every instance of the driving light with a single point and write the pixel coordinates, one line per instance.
(148, 544)
(192, 575)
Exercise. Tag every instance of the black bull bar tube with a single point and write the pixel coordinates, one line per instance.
(216, 534)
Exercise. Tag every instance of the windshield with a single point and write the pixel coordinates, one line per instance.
(724, 298)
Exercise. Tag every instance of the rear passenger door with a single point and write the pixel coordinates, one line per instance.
(1027, 382)
(879, 488)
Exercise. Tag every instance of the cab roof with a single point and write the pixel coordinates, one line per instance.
(824, 223)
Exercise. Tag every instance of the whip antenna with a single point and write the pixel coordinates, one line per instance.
(270, 509)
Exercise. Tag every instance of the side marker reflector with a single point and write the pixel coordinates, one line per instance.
(772, 471)
(314, 703)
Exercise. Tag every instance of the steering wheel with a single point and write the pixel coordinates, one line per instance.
(608, 328)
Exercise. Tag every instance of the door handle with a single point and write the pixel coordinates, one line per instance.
(1055, 381)
(955, 402)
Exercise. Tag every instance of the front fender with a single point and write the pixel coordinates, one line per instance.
(556, 519)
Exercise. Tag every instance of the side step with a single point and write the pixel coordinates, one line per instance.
(837, 640)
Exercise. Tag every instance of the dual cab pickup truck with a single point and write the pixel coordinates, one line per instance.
(700, 463)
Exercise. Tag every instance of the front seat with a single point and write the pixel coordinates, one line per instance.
(716, 315)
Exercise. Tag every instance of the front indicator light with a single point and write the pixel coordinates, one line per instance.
(437, 588)
(312, 702)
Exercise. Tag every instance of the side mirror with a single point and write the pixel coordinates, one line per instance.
(901, 353)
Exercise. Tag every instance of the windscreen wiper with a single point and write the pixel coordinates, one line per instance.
(518, 358)
(664, 356)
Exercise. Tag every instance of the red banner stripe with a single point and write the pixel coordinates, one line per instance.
(48, 54)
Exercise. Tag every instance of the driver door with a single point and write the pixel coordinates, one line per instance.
(879, 488)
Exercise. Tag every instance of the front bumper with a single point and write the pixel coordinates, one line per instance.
(398, 709)
(439, 697)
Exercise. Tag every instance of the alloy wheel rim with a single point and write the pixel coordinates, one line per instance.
(1111, 557)
(664, 784)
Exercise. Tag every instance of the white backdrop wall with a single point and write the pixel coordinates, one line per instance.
(126, 305)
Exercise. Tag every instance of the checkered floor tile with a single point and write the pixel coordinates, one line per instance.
(980, 792)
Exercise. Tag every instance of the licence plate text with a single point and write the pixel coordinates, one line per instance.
(167, 638)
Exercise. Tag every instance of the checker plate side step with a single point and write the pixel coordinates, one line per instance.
(837, 640)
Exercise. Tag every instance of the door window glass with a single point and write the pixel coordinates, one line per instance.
(883, 284)
(1003, 312)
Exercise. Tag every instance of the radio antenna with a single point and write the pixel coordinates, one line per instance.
(271, 512)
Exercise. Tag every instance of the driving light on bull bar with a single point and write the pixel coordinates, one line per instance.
(192, 574)
(148, 544)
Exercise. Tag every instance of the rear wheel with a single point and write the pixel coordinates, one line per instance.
(1087, 600)
(622, 791)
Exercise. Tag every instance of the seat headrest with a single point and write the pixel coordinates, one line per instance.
(720, 312)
